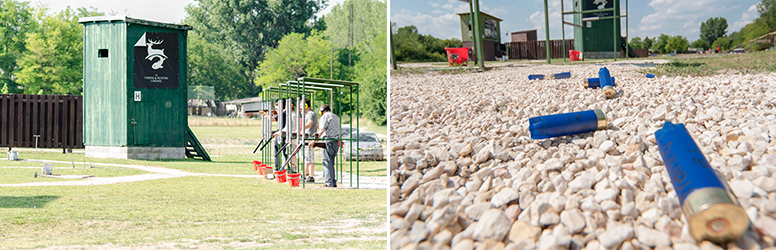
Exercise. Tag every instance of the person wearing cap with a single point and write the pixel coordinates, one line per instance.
(328, 128)
(310, 124)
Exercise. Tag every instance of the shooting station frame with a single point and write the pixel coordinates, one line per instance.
(307, 87)
(579, 23)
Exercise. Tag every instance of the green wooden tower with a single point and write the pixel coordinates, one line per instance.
(599, 34)
(134, 88)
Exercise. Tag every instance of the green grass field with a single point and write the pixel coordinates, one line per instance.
(21, 172)
(747, 63)
(191, 211)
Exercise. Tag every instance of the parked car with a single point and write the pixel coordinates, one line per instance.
(346, 130)
(738, 51)
(369, 146)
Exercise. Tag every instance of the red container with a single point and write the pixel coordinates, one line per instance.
(280, 176)
(457, 56)
(574, 55)
(293, 179)
(256, 165)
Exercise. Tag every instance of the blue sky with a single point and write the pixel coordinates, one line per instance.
(168, 11)
(647, 17)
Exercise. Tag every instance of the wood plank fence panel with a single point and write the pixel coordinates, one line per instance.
(58, 119)
(533, 50)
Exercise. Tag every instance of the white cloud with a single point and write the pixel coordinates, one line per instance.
(162, 11)
(537, 18)
(441, 26)
(746, 18)
(681, 17)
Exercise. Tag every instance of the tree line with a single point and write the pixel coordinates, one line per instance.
(411, 46)
(238, 47)
(713, 34)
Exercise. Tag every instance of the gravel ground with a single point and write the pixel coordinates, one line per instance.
(466, 175)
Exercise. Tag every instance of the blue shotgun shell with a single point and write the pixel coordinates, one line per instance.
(650, 76)
(595, 82)
(562, 75)
(542, 127)
(606, 83)
(710, 209)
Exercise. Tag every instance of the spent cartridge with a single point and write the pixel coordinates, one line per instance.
(712, 212)
(542, 127)
(562, 75)
(606, 83)
(595, 82)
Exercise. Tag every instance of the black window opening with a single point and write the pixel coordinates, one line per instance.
(102, 53)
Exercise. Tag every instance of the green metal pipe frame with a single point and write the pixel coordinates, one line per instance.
(474, 7)
(547, 31)
(563, 30)
(333, 86)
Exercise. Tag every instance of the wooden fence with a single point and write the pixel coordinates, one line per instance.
(537, 49)
(58, 119)
(642, 52)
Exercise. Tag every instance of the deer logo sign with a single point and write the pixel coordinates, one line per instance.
(156, 60)
(153, 54)
(601, 4)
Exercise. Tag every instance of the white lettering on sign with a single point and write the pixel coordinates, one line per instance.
(137, 96)
(156, 78)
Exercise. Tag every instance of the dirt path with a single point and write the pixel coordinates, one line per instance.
(164, 173)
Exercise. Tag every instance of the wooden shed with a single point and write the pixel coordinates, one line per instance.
(134, 88)
(491, 34)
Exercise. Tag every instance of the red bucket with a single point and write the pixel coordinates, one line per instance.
(280, 176)
(574, 55)
(256, 166)
(457, 56)
(293, 179)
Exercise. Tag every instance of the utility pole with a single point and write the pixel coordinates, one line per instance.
(350, 34)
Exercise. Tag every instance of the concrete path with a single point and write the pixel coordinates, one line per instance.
(164, 173)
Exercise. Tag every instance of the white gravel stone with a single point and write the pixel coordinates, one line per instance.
(767, 226)
(614, 236)
(493, 224)
(475, 211)
(706, 245)
(686, 246)
(573, 219)
(607, 194)
(523, 231)
(506, 195)
(582, 181)
(552, 164)
(652, 238)
(742, 188)
(599, 190)
(607, 146)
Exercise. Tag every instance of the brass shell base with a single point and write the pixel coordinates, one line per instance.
(713, 216)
